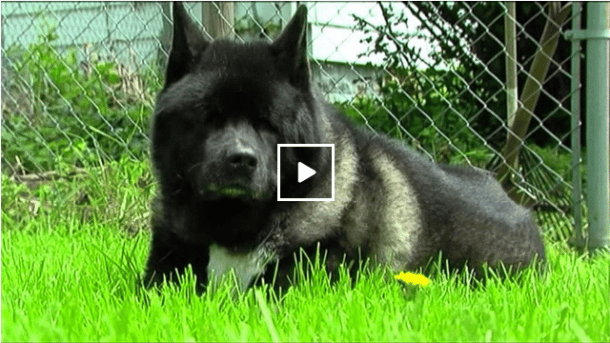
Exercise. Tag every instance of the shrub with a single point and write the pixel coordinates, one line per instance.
(413, 104)
(78, 111)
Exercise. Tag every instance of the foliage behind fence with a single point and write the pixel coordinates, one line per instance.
(79, 80)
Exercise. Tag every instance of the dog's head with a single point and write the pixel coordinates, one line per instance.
(225, 106)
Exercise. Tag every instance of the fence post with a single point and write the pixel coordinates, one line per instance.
(166, 33)
(598, 109)
(218, 19)
(510, 38)
(575, 128)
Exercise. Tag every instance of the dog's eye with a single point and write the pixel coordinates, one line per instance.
(265, 125)
(189, 124)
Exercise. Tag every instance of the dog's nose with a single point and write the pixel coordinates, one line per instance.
(243, 159)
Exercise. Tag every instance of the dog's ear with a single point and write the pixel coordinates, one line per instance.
(290, 48)
(187, 43)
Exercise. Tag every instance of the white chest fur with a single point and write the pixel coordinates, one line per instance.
(245, 266)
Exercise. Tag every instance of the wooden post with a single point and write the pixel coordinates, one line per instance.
(218, 18)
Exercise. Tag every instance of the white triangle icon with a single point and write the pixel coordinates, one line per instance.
(304, 172)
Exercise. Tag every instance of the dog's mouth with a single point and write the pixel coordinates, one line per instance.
(233, 191)
(216, 192)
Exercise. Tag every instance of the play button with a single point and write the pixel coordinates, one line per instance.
(304, 172)
(313, 180)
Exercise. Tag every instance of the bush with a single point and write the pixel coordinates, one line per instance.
(77, 112)
(413, 104)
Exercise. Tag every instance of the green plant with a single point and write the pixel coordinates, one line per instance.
(437, 101)
(415, 103)
(79, 114)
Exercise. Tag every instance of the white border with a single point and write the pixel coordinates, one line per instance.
(332, 170)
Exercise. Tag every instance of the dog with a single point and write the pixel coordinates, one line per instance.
(222, 112)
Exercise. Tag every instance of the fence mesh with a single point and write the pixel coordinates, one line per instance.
(79, 80)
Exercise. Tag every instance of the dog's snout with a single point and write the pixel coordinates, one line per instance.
(242, 159)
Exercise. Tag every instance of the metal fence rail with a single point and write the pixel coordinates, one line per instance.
(79, 81)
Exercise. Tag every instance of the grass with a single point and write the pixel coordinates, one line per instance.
(72, 250)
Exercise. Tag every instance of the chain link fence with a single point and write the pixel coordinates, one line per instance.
(79, 81)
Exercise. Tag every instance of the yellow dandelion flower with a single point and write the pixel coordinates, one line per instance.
(414, 279)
